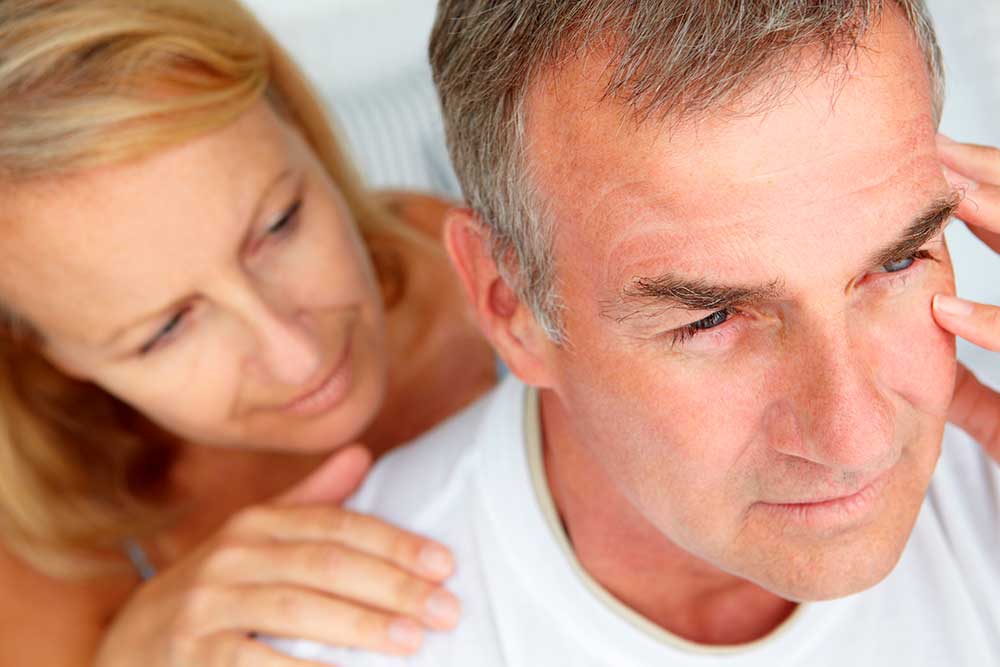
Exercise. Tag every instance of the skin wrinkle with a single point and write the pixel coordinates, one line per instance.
(696, 59)
(804, 398)
(650, 210)
(649, 296)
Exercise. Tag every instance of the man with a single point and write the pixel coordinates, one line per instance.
(706, 238)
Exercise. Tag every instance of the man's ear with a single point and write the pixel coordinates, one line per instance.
(507, 323)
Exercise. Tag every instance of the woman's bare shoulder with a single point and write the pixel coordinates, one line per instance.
(422, 212)
(49, 621)
(439, 359)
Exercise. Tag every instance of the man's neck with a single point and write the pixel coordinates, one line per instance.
(635, 562)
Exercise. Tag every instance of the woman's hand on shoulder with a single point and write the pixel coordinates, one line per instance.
(298, 567)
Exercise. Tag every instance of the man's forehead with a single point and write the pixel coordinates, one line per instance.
(591, 164)
(581, 142)
(832, 156)
(672, 207)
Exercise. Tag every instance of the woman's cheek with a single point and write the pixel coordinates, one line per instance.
(191, 395)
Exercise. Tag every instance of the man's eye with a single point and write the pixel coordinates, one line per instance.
(689, 331)
(163, 334)
(715, 319)
(286, 221)
(899, 265)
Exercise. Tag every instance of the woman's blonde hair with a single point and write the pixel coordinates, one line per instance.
(85, 83)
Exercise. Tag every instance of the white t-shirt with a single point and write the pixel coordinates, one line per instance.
(474, 483)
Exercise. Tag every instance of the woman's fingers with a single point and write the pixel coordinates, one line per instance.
(357, 531)
(976, 410)
(290, 611)
(975, 322)
(333, 481)
(340, 572)
(240, 650)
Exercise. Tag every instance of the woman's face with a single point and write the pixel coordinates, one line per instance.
(220, 287)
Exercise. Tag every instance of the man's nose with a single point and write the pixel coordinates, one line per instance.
(836, 415)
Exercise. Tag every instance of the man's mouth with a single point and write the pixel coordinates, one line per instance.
(829, 511)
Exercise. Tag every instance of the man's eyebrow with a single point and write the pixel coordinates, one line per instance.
(926, 226)
(176, 304)
(678, 292)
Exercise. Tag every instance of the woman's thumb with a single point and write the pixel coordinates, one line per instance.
(333, 481)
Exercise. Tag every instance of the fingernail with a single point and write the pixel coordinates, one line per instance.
(436, 560)
(950, 305)
(405, 633)
(443, 607)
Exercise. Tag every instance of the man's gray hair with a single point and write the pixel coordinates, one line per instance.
(673, 58)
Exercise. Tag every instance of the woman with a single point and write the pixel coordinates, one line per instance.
(200, 302)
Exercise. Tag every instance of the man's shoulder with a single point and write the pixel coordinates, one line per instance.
(961, 515)
(966, 483)
(416, 477)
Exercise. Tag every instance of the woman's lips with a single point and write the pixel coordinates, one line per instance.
(330, 392)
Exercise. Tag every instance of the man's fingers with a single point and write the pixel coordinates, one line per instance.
(978, 163)
(975, 171)
(355, 531)
(975, 322)
(342, 573)
(980, 209)
(976, 410)
(991, 239)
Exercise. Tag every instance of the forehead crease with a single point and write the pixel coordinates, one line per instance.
(705, 202)
(736, 217)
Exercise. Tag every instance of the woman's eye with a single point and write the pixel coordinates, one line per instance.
(164, 333)
(286, 221)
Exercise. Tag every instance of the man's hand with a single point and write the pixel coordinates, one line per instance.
(976, 170)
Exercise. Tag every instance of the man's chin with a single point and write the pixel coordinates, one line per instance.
(810, 563)
(838, 568)
(831, 581)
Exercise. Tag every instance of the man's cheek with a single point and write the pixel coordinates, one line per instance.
(914, 358)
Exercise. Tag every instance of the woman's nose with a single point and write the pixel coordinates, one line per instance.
(287, 350)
